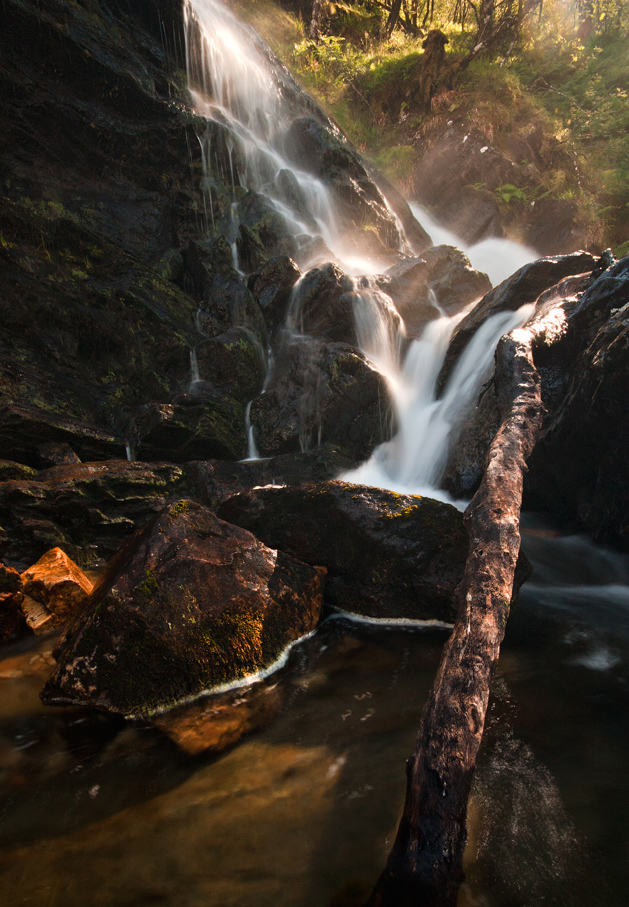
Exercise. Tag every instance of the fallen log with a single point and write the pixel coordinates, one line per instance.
(424, 867)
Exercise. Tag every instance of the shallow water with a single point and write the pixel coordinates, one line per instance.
(302, 813)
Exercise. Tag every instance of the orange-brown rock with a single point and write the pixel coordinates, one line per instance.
(55, 589)
(214, 723)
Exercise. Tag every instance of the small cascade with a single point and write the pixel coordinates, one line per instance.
(234, 81)
(379, 328)
(194, 368)
(130, 450)
(252, 450)
(414, 460)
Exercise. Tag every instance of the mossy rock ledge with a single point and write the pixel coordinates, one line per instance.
(189, 603)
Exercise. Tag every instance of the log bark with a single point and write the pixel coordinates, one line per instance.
(424, 868)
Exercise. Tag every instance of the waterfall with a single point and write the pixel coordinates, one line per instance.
(236, 82)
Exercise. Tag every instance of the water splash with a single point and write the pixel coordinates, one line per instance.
(413, 461)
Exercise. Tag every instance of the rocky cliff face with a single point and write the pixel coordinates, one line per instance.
(118, 292)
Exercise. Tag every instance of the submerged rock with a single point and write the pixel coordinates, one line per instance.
(189, 603)
(387, 555)
(211, 724)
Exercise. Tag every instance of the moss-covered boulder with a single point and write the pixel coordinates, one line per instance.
(189, 603)
(387, 555)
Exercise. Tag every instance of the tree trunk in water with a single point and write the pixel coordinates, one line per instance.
(424, 868)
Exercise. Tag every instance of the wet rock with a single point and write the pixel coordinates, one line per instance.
(87, 509)
(388, 555)
(322, 305)
(12, 621)
(23, 428)
(321, 393)
(213, 481)
(235, 362)
(197, 427)
(188, 603)
(272, 286)
(579, 467)
(212, 724)
(523, 287)
(359, 200)
(56, 585)
(56, 455)
(442, 275)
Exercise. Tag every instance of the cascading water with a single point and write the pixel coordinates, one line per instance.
(235, 81)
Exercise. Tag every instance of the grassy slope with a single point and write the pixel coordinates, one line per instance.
(574, 96)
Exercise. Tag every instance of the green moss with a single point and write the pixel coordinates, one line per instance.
(148, 587)
(179, 508)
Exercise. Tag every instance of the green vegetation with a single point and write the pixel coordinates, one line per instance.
(558, 73)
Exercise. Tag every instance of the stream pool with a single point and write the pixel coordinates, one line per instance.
(301, 814)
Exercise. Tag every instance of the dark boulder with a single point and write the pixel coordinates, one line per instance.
(272, 286)
(387, 555)
(189, 603)
(580, 465)
(322, 305)
(321, 393)
(440, 276)
(369, 219)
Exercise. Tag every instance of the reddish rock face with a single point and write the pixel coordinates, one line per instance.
(55, 589)
(188, 604)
